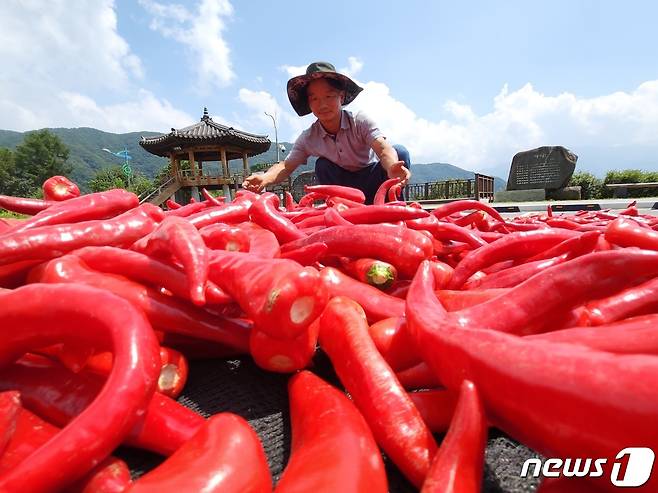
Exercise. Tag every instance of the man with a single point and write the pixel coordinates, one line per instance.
(351, 150)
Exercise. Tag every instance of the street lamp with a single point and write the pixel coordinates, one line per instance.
(276, 135)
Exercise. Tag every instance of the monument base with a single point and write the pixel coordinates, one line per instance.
(566, 193)
(530, 195)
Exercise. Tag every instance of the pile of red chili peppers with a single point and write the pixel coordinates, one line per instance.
(544, 326)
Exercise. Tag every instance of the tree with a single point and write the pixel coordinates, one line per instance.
(114, 177)
(7, 172)
(40, 156)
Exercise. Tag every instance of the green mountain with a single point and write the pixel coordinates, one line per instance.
(86, 150)
(87, 157)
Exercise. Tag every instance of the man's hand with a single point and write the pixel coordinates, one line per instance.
(255, 182)
(399, 170)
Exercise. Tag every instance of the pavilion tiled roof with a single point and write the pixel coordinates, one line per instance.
(206, 133)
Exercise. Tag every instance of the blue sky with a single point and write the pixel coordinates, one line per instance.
(468, 83)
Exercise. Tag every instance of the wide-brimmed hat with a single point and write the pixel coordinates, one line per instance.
(317, 70)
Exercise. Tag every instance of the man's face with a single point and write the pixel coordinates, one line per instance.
(324, 100)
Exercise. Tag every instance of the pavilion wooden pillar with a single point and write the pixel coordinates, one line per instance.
(190, 155)
(225, 187)
(172, 165)
(245, 164)
(195, 189)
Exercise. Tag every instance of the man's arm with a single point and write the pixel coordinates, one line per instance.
(275, 174)
(389, 160)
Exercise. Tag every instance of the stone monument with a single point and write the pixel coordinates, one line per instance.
(539, 174)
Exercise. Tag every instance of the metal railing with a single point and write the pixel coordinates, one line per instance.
(480, 187)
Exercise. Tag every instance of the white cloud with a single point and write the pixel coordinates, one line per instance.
(56, 44)
(201, 33)
(69, 67)
(146, 113)
(259, 102)
(293, 70)
(519, 120)
(354, 67)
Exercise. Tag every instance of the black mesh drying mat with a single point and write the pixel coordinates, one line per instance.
(240, 387)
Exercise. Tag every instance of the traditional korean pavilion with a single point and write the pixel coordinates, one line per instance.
(205, 141)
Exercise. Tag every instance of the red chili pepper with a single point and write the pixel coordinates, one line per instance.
(474, 218)
(225, 455)
(395, 423)
(333, 448)
(235, 212)
(333, 218)
(10, 407)
(291, 205)
(562, 222)
(394, 343)
(342, 204)
(512, 276)
(176, 238)
(59, 396)
(103, 319)
(417, 377)
(225, 237)
(15, 274)
(380, 195)
(376, 304)
(172, 205)
(308, 199)
(348, 193)
(563, 288)
(532, 388)
(400, 246)
(94, 206)
(445, 210)
(458, 300)
(512, 246)
(307, 255)
(188, 210)
(631, 302)
(574, 247)
(147, 270)
(73, 355)
(110, 475)
(211, 198)
(372, 214)
(394, 192)
(399, 289)
(48, 242)
(627, 233)
(23, 205)
(59, 188)
(173, 370)
(447, 231)
(436, 407)
(265, 215)
(637, 335)
(280, 296)
(164, 312)
(457, 466)
(262, 242)
(284, 355)
(371, 271)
